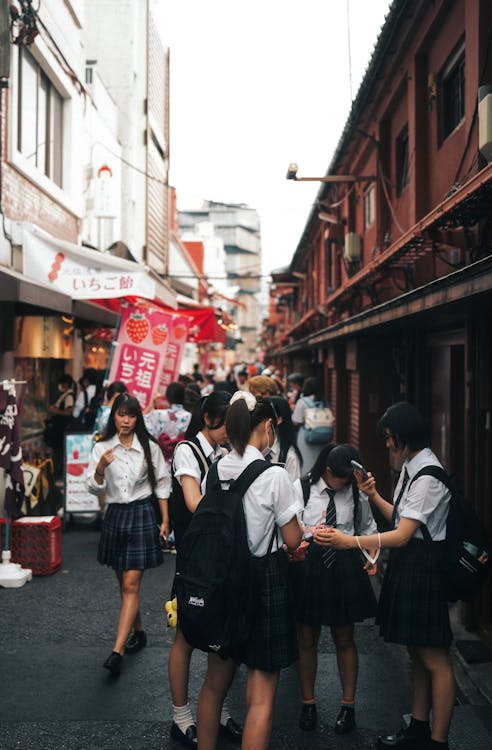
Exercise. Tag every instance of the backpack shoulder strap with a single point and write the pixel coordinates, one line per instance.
(248, 476)
(306, 487)
(433, 471)
(198, 453)
(438, 473)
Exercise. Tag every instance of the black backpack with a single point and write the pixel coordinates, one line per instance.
(179, 515)
(216, 575)
(463, 563)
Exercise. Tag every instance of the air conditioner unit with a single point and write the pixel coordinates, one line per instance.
(353, 246)
(485, 121)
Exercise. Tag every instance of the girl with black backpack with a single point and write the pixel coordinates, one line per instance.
(202, 445)
(332, 588)
(270, 509)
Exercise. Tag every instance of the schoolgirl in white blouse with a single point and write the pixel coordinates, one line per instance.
(269, 503)
(412, 607)
(128, 467)
(204, 437)
(335, 590)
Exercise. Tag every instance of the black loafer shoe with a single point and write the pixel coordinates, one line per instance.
(113, 663)
(308, 719)
(135, 642)
(405, 738)
(187, 738)
(231, 731)
(345, 720)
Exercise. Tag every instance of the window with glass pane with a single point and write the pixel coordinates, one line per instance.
(453, 93)
(39, 119)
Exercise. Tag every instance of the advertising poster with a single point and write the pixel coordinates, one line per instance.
(149, 347)
(178, 334)
(78, 447)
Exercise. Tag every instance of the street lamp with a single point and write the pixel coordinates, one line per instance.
(292, 175)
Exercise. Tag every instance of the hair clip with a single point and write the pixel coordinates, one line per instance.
(244, 396)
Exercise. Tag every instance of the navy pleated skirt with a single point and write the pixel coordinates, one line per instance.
(339, 595)
(413, 610)
(130, 536)
(272, 644)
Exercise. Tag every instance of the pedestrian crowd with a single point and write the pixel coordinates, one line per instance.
(311, 532)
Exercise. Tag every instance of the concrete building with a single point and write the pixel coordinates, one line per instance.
(238, 226)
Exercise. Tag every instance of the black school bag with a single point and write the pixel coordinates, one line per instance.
(216, 578)
(179, 515)
(464, 560)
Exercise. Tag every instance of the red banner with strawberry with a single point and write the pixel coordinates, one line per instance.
(148, 349)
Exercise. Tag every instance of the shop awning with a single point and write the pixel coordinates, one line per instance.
(15, 287)
(84, 274)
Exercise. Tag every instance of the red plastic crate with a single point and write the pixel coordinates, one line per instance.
(36, 543)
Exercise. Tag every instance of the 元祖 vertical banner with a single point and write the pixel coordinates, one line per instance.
(148, 348)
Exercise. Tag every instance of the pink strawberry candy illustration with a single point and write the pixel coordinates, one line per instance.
(137, 328)
(159, 334)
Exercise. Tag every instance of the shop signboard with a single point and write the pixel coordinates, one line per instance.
(148, 350)
(78, 447)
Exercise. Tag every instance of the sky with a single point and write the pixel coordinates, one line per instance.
(254, 86)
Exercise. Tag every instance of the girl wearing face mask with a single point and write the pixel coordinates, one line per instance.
(270, 509)
(202, 445)
(332, 589)
(128, 467)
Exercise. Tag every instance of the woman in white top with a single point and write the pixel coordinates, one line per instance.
(412, 607)
(201, 447)
(269, 503)
(332, 588)
(128, 467)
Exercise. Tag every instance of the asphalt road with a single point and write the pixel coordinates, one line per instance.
(56, 631)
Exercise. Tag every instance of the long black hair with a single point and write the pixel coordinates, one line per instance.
(241, 422)
(337, 458)
(286, 432)
(125, 403)
(215, 406)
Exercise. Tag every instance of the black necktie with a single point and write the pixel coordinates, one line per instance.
(400, 495)
(328, 555)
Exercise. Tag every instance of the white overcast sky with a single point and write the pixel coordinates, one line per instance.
(255, 85)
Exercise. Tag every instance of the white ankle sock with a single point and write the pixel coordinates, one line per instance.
(183, 717)
(224, 714)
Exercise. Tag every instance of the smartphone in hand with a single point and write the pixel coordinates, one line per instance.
(358, 467)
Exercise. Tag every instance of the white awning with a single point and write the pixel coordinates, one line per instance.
(83, 273)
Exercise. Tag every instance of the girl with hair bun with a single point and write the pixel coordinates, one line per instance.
(204, 437)
(270, 509)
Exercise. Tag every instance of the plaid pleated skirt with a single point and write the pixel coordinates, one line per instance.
(339, 595)
(272, 644)
(413, 610)
(130, 536)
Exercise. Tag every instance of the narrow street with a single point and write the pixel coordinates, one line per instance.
(56, 631)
